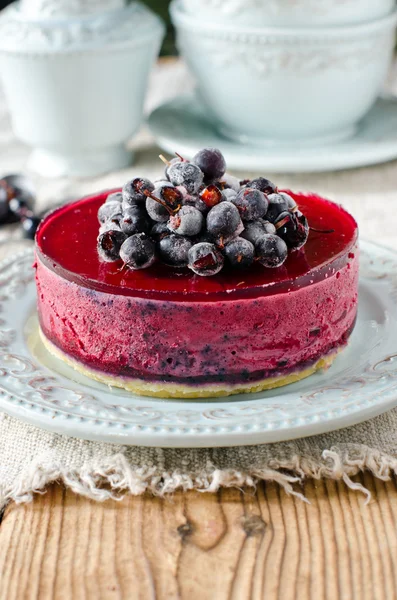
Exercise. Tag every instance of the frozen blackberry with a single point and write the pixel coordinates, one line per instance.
(229, 195)
(135, 220)
(252, 204)
(223, 222)
(138, 252)
(230, 182)
(187, 221)
(293, 228)
(277, 205)
(211, 162)
(205, 259)
(109, 226)
(174, 249)
(136, 190)
(156, 211)
(171, 163)
(159, 231)
(108, 211)
(262, 184)
(292, 205)
(271, 251)
(195, 201)
(186, 174)
(168, 196)
(115, 197)
(240, 253)
(109, 244)
(254, 230)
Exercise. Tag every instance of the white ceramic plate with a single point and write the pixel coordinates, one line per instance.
(183, 125)
(40, 389)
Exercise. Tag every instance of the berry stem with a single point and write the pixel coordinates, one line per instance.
(165, 161)
(322, 230)
(170, 211)
(179, 156)
(281, 223)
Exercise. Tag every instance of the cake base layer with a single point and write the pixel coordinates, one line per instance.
(186, 392)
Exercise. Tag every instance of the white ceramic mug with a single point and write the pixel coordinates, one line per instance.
(274, 85)
(75, 87)
(289, 13)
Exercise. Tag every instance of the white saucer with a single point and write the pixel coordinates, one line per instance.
(182, 125)
(362, 383)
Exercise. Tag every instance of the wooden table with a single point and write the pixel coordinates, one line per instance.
(234, 544)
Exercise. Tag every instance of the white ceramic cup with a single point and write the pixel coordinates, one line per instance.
(76, 87)
(273, 85)
(289, 13)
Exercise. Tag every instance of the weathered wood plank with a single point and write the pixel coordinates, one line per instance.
(229, 545)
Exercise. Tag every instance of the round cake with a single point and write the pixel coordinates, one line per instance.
(167, 332)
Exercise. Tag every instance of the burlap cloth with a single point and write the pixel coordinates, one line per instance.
(31, 458)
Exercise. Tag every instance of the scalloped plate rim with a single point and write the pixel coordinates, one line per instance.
(27, 387)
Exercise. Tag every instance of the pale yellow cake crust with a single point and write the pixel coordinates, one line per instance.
(177, 390)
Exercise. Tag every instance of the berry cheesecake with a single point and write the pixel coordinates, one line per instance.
(197, 285)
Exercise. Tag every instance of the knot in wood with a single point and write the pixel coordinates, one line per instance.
(253, 525)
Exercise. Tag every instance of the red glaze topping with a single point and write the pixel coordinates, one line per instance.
(66, 242)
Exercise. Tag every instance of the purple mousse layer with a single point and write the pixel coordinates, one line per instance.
(203, 341)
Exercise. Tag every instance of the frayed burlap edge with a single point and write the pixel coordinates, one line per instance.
(114, 477)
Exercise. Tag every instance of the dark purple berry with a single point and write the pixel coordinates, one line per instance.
(172, 162)
(262, 184)
(240, 253)
(21, 207)
(18, 190)
(161, 182)
(277, 205)
(29, 226)
(186, 174)
(292, 205)
(254, 230)
(205, 237)
(252, 204)
(271, 251)
(293, 228)
(135, 220)
(109, 211)
(229, 195)
(205, 259)
(110, 226)
(115, 197)
(223, 222)
(159, 231)
(138, 252)
(136, 190)
(109, 244)
(196, 202)
(211, 195)
(174, 250)
(211, 162)
(229, 182)
(187, 221)
(3, 202)
(169, 196)
(157, 211)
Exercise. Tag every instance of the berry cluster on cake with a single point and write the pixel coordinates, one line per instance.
(198, 284)
(199, 217)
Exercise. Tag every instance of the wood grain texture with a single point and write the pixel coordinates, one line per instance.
(230, 545)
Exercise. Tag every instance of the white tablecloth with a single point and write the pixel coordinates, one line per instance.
(369, 193)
